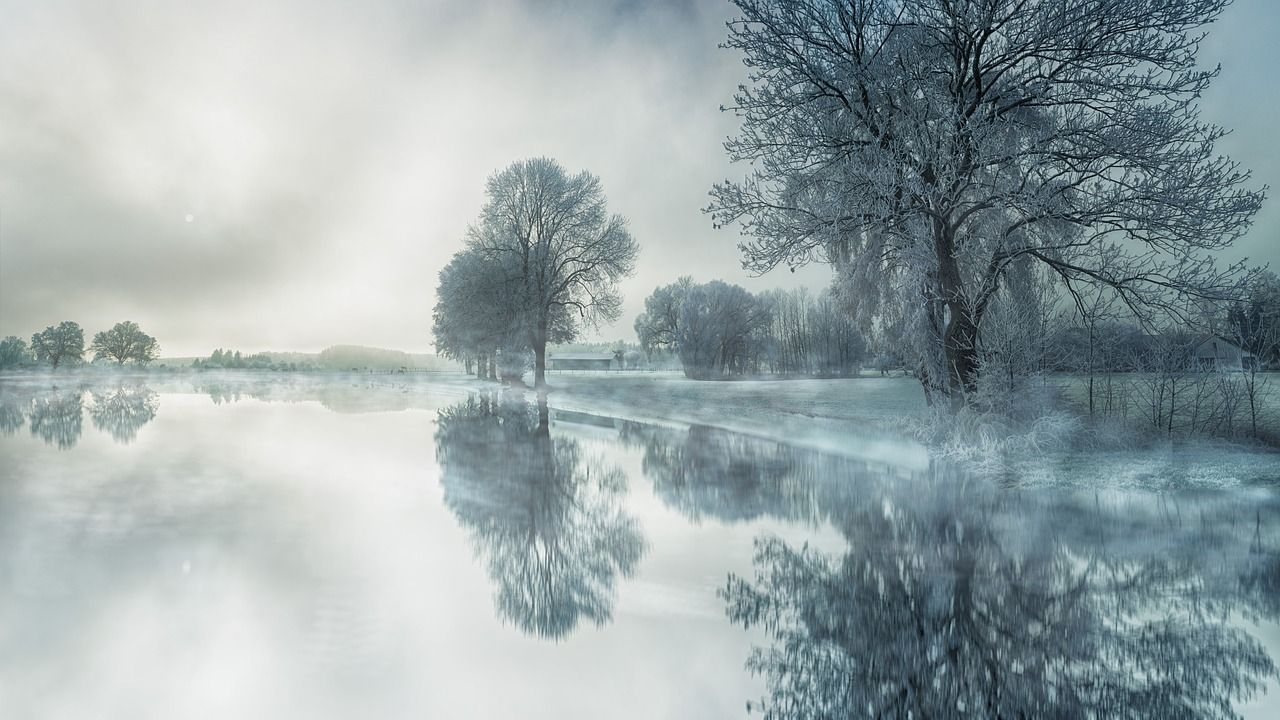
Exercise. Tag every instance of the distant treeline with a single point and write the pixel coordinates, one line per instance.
(720, 330)
(235, 360)
(337, 357)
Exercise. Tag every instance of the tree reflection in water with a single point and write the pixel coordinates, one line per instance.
(57, 417)
(544, 514)
(710, 472)
(956, 599)
(13, 411)
(123, 411)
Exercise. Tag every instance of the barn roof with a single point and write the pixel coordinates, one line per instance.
(1207, 338)
(580, 356)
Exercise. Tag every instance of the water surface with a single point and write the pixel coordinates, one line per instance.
(332, 550)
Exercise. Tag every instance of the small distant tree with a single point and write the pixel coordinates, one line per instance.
(1254, 323)
(60, 343)
(1254, 320)
(632, 359)
(13, 352)
(124, 342)
(715, 328)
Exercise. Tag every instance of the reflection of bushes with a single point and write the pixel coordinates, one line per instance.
(57, 418)
(942, 607)
(124, 411)
(340, 397)
(709, 472)
(546, 517)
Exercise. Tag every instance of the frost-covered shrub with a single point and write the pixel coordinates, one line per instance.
(1000, 429)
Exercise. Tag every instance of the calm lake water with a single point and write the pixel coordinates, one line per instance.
(326, 550)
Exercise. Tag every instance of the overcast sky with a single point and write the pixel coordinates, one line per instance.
(287, 175)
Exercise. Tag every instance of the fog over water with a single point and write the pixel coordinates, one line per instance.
(224, 546)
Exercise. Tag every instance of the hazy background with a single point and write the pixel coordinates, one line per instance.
(290, 175)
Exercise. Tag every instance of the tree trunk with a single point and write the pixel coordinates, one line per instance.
(540, 357)
(1091, 342)
(960, 336)
(924, 382)
(544, 416)
(493, 366)
(960, 343)
(540, 364)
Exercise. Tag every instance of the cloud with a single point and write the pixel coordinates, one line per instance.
(331, 155)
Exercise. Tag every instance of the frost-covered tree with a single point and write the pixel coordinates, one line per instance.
(1254, 324)
(657, 325)
(475, 313)
(124, 342)
(59, 343)
(559, 248)
(480, 316)
(926, 146)
(811, 335)
(718, 329)
(1254, 320)
(715, 328)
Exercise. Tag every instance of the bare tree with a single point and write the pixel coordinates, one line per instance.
(558, 246)
(925, 146)
(56, 344)
(1255, 326)
(810, 335)
(1093, 310)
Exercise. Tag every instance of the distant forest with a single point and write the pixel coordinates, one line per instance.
(337, 357)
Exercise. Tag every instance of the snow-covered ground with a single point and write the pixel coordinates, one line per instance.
(859, 415)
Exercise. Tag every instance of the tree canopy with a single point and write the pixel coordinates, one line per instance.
(13, 352)
(60, 343)
(544, 257)
(123, 343)
(927, 147)
(718, 329)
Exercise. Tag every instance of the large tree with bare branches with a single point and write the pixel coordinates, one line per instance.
(926, 147)
(558, 247)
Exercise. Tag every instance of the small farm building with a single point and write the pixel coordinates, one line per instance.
(581, 361)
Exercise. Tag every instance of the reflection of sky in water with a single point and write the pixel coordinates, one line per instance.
(343, 552)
